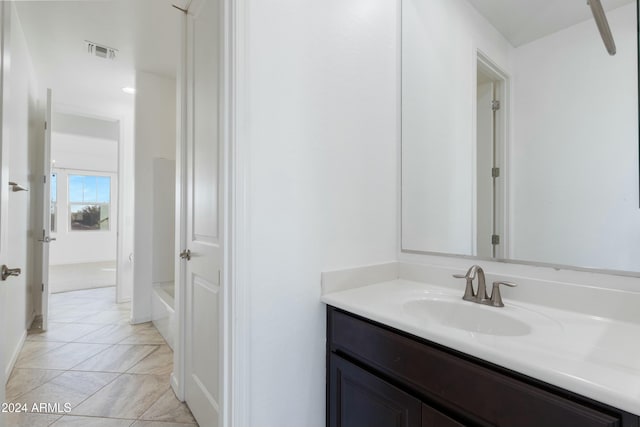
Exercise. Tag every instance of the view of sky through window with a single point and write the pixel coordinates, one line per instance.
(89, 202)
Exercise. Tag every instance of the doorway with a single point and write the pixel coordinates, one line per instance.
(102, 65)
(83, 206)
(491, 135)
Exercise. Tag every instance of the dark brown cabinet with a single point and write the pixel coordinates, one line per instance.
(433, 418)
(362, 399)
(381, 377)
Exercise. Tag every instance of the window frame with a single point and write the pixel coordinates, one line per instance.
(70, 204)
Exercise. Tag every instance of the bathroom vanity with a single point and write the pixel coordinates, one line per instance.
(541, 170)
(379, 376)
(394, 358)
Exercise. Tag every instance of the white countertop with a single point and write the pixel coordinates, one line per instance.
(595, 357)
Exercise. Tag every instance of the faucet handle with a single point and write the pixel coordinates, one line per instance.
(496, 298)
(471, 273)
(469, 294)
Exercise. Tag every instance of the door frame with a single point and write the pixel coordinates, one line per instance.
(124, 176)
(121, 185)
(5, 35)
(235, 357)
(45, 248)
(502, 129)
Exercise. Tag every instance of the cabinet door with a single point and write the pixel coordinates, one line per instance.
(360, 399)
(433, 418)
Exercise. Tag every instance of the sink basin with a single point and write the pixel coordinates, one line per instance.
(467, 316)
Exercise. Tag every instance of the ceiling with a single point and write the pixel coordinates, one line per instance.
(145, 32)
(522, 21)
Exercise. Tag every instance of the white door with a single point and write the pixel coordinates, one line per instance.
(203, 288)
(484, 150)
(5, 12)
(45, 236)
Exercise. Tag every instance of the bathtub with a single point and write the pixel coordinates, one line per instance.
(163, 311)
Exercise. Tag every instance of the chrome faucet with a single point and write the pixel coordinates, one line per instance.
(469, 293)
(481, 296)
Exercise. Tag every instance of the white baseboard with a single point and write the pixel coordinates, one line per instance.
(14, 355)
(176, 387)
(138, 320)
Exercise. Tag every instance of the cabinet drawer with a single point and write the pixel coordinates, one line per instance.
(479, 393)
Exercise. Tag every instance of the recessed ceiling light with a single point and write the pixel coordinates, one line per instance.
(129, 90)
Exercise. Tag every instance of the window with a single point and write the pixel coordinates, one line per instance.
(54, 201)
(89, 202)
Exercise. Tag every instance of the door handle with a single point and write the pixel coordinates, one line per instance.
(47, 239)
(8, 272)
(186, 254)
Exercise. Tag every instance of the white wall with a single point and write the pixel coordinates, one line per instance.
(439, 44)
(85, 126)
(164, 219)
(69, 151)
(322, 107)
(155, 136)
(77, 154)
(575, 179)
(25, 123)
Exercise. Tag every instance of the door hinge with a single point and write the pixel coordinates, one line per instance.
(219, 277)
(45, 125)
(495, 172)
(44, 179)
(495, 105)
(495, 239)
(42, 289)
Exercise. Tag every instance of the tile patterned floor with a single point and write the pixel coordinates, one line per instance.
(111, 373)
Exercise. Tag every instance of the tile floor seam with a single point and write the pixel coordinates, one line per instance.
(96, 372)
(46, 382)
(142, 360)
(62, 343)
(93, 355)
(67, 344)
(114, 345)
(144, 409)
(88, 396)
(93, 394)
(133, 334)
(88, 333)
(98, 417)
(119, 342)
(66, 324)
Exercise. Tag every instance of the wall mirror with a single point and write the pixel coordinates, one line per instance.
(520, 132)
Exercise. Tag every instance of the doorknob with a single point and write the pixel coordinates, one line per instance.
(186, 254)
(47, 239)
(7, 272)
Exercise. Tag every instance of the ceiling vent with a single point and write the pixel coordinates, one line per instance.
(100, 51)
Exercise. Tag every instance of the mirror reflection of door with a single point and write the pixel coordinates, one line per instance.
(490, 139)
(484, 150)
